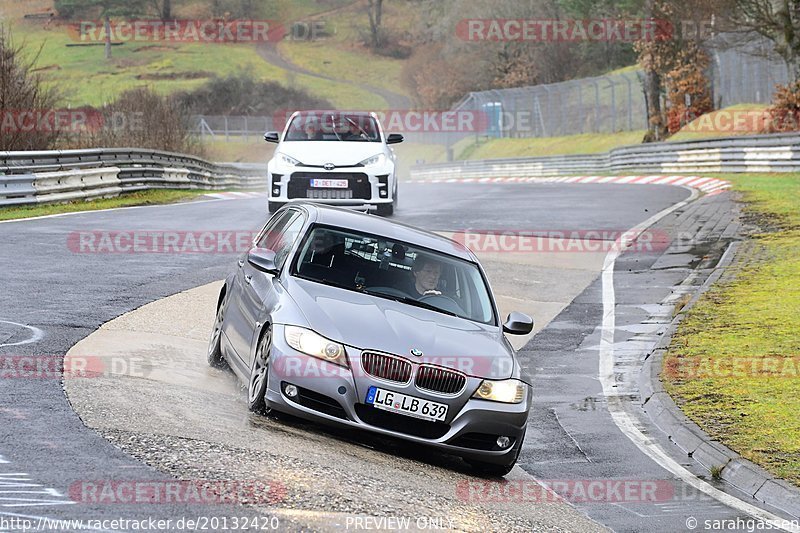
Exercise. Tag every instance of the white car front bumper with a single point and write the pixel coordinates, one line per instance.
(366, 186)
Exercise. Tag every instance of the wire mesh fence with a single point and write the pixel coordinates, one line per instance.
(744, 70)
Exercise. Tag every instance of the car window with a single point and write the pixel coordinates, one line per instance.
(287, 239)
(273, 228)
(279, 235)
(333, 126)
(395, 270)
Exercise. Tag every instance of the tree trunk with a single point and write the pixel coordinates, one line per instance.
(107, 27)
(166, 10)
(375, 11)
(792, 59)
(652, 96)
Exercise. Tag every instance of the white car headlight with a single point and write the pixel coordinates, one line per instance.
(378, 159)
(287, 159)
(506, 391)
(313, 344)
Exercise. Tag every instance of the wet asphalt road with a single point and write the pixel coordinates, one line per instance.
(67, 295)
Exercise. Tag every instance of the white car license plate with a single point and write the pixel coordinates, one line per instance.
(329, 184)
(406, 405)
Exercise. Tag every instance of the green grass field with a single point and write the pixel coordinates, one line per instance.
(84, 77)
(154, 197)
(733, 120)
(734, 364)
(587, 143)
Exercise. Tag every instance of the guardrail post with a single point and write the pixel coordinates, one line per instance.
(611, 84)
(596, 85)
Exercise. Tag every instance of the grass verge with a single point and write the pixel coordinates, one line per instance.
(155, 197)
(734, 364)
(586, 143)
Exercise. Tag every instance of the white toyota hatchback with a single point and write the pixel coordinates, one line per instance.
(334, 157)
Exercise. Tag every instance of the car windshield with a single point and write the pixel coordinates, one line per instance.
(394, 270)
(333, 126)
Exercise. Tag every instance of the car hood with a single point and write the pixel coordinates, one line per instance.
(370, 322)
(336, 152)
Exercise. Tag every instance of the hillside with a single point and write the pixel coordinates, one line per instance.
(337, 68)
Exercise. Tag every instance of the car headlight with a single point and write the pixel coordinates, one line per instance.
(291, 161)
(378, 159)
(313, 344)
(506, 391)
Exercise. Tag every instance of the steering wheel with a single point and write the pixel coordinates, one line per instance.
(443, 301)
(389, 291)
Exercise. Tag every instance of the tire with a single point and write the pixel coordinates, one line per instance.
(214, 356)
(259, 375)
(386, 210)
(274, 206)
(494, 470)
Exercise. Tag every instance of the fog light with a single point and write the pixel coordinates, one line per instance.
(291, 392)
(276, 191)
(502, 442)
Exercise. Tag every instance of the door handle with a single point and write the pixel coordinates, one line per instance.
(248, 279)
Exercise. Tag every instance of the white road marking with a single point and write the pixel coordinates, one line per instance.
(621, 418)
(36, 334)
(73, 213)
(12, 483)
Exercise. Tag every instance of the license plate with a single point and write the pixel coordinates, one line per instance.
(406, 405)
(329, 184)
(329, 194)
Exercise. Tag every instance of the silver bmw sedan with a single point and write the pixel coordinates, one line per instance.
(352, 320)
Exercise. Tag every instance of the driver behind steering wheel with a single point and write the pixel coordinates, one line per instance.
(426, 272)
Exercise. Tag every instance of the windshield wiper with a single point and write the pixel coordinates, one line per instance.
(411, 301)
(327, 282)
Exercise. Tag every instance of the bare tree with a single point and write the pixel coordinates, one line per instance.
(375, 12)
(778, 21)
(107, 9)
(675, 51)
(163, 8)
(22, 93)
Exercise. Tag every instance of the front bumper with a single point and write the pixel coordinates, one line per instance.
(366, 185)
(335, 396)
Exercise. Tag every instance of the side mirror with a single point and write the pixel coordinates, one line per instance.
(272, 137)
(394, 138)
(263, 260)
(518, 324)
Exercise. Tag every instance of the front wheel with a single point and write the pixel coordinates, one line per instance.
(214, 356)
(259, 374)
(386, 210)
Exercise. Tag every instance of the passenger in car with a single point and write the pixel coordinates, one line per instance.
(312, 131)
(426, 272)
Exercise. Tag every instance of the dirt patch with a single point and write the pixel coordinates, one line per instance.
(46, 68)
(174, 76)
(155, 48)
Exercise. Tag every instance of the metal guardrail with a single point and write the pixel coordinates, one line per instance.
(62, 175)
(757, 153)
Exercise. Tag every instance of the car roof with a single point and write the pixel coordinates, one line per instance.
(349, 219)
(334, 112)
